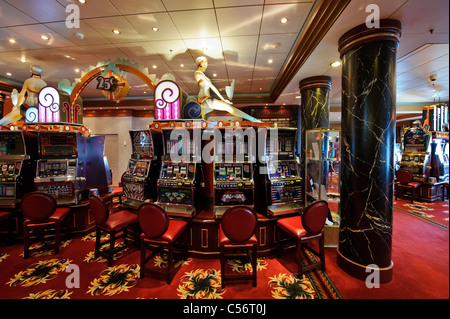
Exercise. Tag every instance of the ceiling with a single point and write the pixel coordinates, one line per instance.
(244, 40)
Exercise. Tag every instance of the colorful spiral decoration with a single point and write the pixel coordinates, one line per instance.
(192, 110)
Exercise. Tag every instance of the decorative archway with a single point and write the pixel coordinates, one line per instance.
(95, 72)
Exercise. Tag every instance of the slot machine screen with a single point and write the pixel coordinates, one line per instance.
(142, 144)
(177, 144)
(11, 143)
(58, 144)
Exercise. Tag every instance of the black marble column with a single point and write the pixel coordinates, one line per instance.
(315, 110)
(368, 136)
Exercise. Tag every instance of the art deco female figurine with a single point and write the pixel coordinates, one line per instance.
(31, 88)
(204, 98)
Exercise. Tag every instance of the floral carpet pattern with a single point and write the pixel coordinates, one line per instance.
(435, 213)
(48, 276)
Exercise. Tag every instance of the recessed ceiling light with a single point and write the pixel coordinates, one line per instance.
(77, 70)
(115, 31)
(82, 1)
(12, 40)
(155, 29)
(270, 61)
(335, 64)
(44, 37)
(214, 74)
(154, 66)
(182, 65)
(8, 73)
(23, 59)
(298, 97)
(284, 20)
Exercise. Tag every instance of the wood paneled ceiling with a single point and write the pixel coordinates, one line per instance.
(243, 40)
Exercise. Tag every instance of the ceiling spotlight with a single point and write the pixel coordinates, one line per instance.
(23, 59)
(154, 66)
(182, 65)
(44, 37)
(82, 1)
(214, 74)
(115, 31)
(8, 73)
(270, 61)
(77, 70)
(284, 20)
(155, 29)
(12, 40)
(335, 64)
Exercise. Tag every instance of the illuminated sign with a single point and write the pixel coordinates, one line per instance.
(167, 101)
(54, 107)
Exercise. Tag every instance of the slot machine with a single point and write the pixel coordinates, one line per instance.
(181, 173)
(139, 180)
(439, 158)
(234, 165)
(18, 155)
(279, 182)
(416, 153)
(61, 166)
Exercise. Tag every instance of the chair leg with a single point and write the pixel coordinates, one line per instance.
(222, 266)
(57, 236)
(255, 263)
(299, 258)
(170, 263)
(26, 248)
(112, 241)
(322, 252)
(142, 244)
(278, 238)
(97, 242)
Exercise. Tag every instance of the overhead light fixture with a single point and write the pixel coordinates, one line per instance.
(115, 31)
(154, 66)
(12, 40)
(270, 61)
(8, 73)
(77, 70)
(182, 65)
(23, 59)
(214, 74)
(284, 20)
(44, 37)
(298, 97)
(155, 29)
(82, 1)
(335, 64)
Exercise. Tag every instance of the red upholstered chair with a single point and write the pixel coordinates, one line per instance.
(111, 223)
(304, 229)
(41, 212)
(237, 233)
(405, 184)
(7, 218)
(160, 231)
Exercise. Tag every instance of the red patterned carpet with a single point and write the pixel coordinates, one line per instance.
(434, 213)
(52, 276)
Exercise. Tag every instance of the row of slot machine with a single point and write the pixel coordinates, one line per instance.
(425, 154)
(62, 164)
(229, 169)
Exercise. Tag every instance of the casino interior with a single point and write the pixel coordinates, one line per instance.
(224, 149)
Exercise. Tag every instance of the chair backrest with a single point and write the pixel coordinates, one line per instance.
(239, 223)
(99, 209)
(153, 220)
(314, 217)
(404, 176)
(38, 206)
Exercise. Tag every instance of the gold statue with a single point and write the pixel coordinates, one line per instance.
(204, 98)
